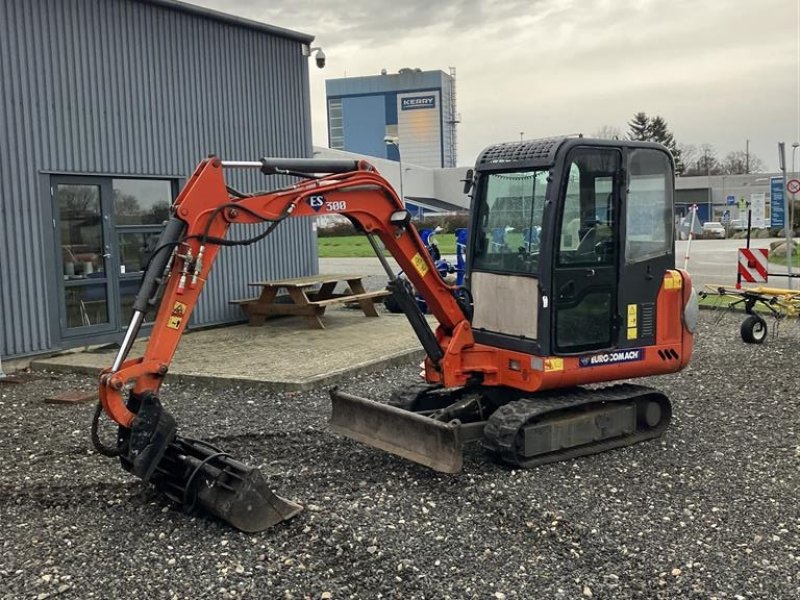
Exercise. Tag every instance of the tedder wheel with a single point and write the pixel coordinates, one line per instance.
(754, 330)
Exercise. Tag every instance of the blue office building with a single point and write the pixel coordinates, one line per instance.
(417, 108)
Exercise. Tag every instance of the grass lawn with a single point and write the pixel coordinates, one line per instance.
(781, 260)
(354, 246)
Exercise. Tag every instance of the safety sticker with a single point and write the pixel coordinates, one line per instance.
(673, 280)
(632, 308)
(553, 364)
(420, 265)
(610, 358)
(174, 322)
(179, 309)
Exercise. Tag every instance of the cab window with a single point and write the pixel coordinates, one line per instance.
(648, 221)
(510, 222)
(588, 219)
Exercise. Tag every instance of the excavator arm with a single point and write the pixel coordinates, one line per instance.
(193, 472)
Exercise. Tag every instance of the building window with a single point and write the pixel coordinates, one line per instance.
(141, 201)
(336, 124)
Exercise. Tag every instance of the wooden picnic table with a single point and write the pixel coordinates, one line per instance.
(306, 299)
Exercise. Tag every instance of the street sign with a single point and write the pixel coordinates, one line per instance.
(793, 186)
(753, 264)
(777, 219)
(758, 210)
(730, 200)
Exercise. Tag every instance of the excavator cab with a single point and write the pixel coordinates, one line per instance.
(602, 216)
(572, 280)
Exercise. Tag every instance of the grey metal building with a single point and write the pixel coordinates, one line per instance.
(105, 107)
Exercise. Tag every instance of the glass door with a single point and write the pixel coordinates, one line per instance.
(105, 232)
(83, 242)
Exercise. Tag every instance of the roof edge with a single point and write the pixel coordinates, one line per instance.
(216, 15)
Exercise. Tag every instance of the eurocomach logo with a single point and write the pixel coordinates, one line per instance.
(415, 102)
(608, 358)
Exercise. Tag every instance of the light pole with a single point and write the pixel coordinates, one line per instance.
(395, 141)
(788, 228)
(708, 182)
(794, 175)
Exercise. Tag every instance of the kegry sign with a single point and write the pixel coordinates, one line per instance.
(416, 102)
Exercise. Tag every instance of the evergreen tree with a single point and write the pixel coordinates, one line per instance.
(645, 129)
(639, 127)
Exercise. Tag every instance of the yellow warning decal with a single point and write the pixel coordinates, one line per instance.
(420, 265)
(673, 280)
(632, 308)
(179, 309)
(174, 322)
(553, 364)
(631, 333)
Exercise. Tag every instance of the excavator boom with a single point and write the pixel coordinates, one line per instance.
(149, 447)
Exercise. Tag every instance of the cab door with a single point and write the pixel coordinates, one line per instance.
(648, 248)
(586, 253)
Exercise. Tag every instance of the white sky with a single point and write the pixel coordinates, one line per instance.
(719, 71)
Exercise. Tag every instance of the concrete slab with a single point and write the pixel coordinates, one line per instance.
(283, 353)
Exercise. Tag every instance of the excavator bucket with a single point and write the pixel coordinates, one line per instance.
(432, 443)
(196, 475)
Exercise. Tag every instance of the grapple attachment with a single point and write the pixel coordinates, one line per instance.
(197, 475)
(435, 444)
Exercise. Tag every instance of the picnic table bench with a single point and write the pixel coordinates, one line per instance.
(305, 299)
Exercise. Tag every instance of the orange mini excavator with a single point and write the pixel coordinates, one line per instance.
(571, 280)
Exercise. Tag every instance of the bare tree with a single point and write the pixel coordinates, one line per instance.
(741, 163)
(701, 160)
(608, 132)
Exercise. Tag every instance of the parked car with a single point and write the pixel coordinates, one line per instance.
(714, 229)
(738, 225)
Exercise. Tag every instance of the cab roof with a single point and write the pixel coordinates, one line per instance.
(543, 152)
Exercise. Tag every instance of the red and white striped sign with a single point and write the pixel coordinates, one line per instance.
(753, 264)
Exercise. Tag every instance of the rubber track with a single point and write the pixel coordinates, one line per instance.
(500, 434)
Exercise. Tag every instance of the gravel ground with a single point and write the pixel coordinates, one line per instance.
(710, 510)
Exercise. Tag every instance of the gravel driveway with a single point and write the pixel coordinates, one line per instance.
(710, 510)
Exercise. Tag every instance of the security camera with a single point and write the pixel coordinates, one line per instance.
(320, 58)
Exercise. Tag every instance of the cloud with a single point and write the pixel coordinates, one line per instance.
(719, 72)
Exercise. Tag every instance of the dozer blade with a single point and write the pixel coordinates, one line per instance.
(197, 475)
(435, 444)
